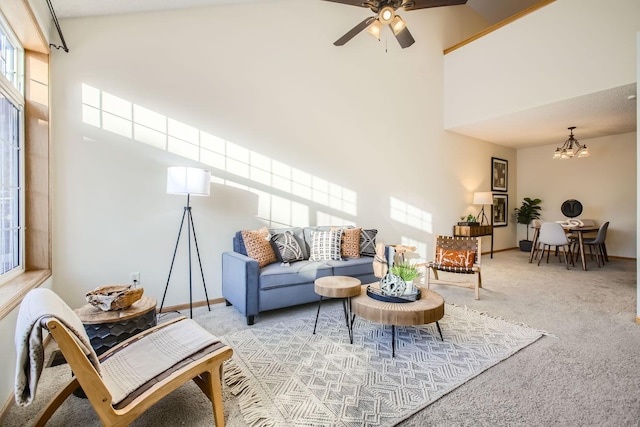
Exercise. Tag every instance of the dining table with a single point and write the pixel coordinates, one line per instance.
(579, 230)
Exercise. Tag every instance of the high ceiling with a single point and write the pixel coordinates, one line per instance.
(608, 112)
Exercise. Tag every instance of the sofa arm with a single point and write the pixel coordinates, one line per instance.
(240, 277)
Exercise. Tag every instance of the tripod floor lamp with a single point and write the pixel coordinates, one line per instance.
(483, 198)
(192, 182)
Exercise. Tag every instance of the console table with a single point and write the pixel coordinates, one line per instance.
(474, 231)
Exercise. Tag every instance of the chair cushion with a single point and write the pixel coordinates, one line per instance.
(352, 267)
(259, 246)
(132, 366)
(455, 258)
(276, 275)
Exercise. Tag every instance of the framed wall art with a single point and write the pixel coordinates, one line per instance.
(500, 209)
(499, 174)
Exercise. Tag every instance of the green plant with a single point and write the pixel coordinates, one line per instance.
(468, 218)
(528, 211)
(406, 270)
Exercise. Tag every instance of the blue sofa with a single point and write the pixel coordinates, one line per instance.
(253, 290)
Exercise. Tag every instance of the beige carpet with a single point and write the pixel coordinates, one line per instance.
(587, 376)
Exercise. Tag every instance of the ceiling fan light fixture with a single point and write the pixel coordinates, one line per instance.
(386, 15)
(374, 29)
(397, 25)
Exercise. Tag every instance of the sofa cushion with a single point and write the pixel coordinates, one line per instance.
(288, 247)
(325, 245)
(238, 244)
(368, 242)
(350, 247)
(259, 246)
(352, 267)
(298, 234)
(276, 275)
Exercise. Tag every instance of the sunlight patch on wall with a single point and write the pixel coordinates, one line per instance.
(119, 116)
(325, 218)
(421, 248)
(410, 215)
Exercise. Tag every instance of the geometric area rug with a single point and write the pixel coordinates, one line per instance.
(283, 374)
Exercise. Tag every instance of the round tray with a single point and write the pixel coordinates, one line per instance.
(376, 293)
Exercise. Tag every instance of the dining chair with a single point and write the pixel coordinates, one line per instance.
(126, 380)
(553, 235)
(598, 244)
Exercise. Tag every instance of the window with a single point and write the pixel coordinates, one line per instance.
(11, 131)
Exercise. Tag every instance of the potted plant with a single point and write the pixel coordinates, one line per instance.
(526, 213)
(468, 220)
(407, 272)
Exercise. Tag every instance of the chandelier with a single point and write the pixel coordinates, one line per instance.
(571, 148)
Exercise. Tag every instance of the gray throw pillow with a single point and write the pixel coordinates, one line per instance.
(368, 242)
(325, 245)
(288, 247)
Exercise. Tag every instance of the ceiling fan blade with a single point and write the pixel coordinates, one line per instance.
(424, 4)
(404, 37)
(354, 31)
(350, 2)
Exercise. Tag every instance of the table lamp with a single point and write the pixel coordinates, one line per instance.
(483, 198)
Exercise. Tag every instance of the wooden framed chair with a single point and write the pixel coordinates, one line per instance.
(460, 255)
(117, 397)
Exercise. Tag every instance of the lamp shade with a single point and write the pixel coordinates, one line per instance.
(185, 180)
(483, 198)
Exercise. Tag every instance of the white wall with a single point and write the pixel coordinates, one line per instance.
(605, 184)
(532, 61)
(366, 117)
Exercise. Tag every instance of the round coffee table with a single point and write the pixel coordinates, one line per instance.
(428, 309)
(343, 287)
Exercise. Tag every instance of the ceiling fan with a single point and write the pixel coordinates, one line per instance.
(385, 11)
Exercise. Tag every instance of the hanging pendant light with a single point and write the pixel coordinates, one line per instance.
(571, 148)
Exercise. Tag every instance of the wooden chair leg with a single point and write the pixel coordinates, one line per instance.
(47, 412)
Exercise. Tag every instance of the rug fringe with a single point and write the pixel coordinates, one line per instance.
(484, 313)
(253, 409)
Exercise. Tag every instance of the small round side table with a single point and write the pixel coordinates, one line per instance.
(338, 287)
(109, 328)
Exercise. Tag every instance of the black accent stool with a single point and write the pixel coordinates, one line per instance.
(440, 331)
(227, 303)
(250, 320)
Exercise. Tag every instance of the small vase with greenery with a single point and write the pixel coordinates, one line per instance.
(468, 220)
(407, 272)
(526, 213)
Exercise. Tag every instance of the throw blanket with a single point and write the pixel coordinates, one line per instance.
(132, 366)
(37, 306)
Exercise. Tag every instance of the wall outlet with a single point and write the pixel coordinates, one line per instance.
(134, 279)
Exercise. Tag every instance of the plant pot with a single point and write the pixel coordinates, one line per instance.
(475, 224)
(525, 245)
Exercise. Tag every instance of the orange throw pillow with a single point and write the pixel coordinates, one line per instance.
(455, 258)
(350, 247)
(258, 246)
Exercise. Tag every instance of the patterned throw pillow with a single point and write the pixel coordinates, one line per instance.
(368, 242)
(325, 245)
(288, 247)
(350, 243)
(258, 246)
(453, 258)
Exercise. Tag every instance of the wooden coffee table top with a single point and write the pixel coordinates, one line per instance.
(337, 286)
(429, 308)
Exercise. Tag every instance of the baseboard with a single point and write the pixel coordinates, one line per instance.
(194, 304)
(5, 408)
(637, 319)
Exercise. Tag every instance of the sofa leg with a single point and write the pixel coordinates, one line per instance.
(228, 304)
(250, 320)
